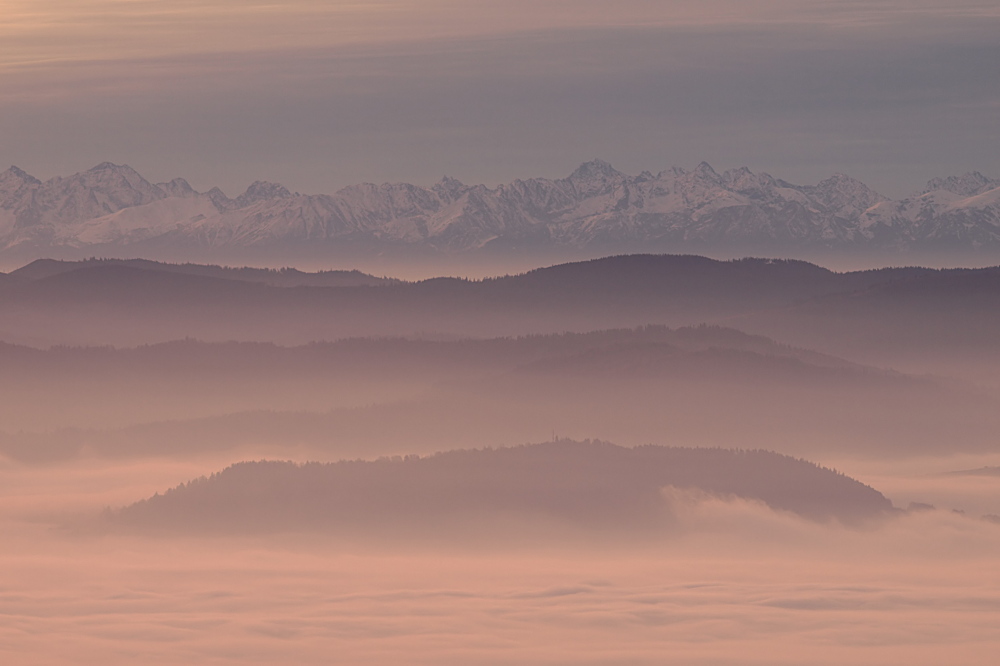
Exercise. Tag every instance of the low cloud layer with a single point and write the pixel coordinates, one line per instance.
(743, 582)
(737, 583)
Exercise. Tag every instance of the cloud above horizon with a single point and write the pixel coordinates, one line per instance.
(319, 95)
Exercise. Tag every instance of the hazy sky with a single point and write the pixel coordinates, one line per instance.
(320, 94)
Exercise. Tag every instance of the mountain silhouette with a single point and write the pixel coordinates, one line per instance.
(591, 485)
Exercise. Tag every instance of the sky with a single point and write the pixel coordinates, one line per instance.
(319, 94)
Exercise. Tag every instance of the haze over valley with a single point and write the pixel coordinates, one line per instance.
(636, 408)
(493, 333)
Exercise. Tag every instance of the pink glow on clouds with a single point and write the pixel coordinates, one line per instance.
(738, 584)
(319, 95)
(83, 30)
(924, 591)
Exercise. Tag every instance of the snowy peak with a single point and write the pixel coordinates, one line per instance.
(594, 170)
(178, 187)
(596, 208)
(595, 178)
(847, 195)
(967, 185)
(120, 184)
(14, 185)
(449, 183)
(110, 166)
(262, 191)
(14, 174)
(745, 181)
(116, 176)
(449, 188)
(105, 189)
(705, 170)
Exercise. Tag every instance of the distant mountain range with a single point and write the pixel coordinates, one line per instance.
(112, 208)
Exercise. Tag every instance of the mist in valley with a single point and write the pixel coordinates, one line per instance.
(612, 461)
(480, 334)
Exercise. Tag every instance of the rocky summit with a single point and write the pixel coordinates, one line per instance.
(596, 208)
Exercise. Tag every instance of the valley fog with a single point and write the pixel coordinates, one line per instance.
(450, 333)
(736, 583)
(619, 461)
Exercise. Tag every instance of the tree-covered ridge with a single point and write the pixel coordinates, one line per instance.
(592, 485)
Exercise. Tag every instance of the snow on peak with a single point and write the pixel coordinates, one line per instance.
(841, 182)
(14, 173)
(846, 194)
(109, 177)
(219, 199)
(449, 185)
(14, 184)
(449, 188)
(967, 185)
(178, 187)
(594, 169)
(103, 189)
(111, 166)
(706, 171)
(746, 181)
(261, 191)
(595, 178)
(595, 205)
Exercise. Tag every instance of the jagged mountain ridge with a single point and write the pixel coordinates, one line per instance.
(595, 207)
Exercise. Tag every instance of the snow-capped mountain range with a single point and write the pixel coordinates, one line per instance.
(113, 207)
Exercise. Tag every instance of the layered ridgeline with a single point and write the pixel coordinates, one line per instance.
(705, 386)
(589, 485)
(708, 386)
(130, 303)
(595, 209)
